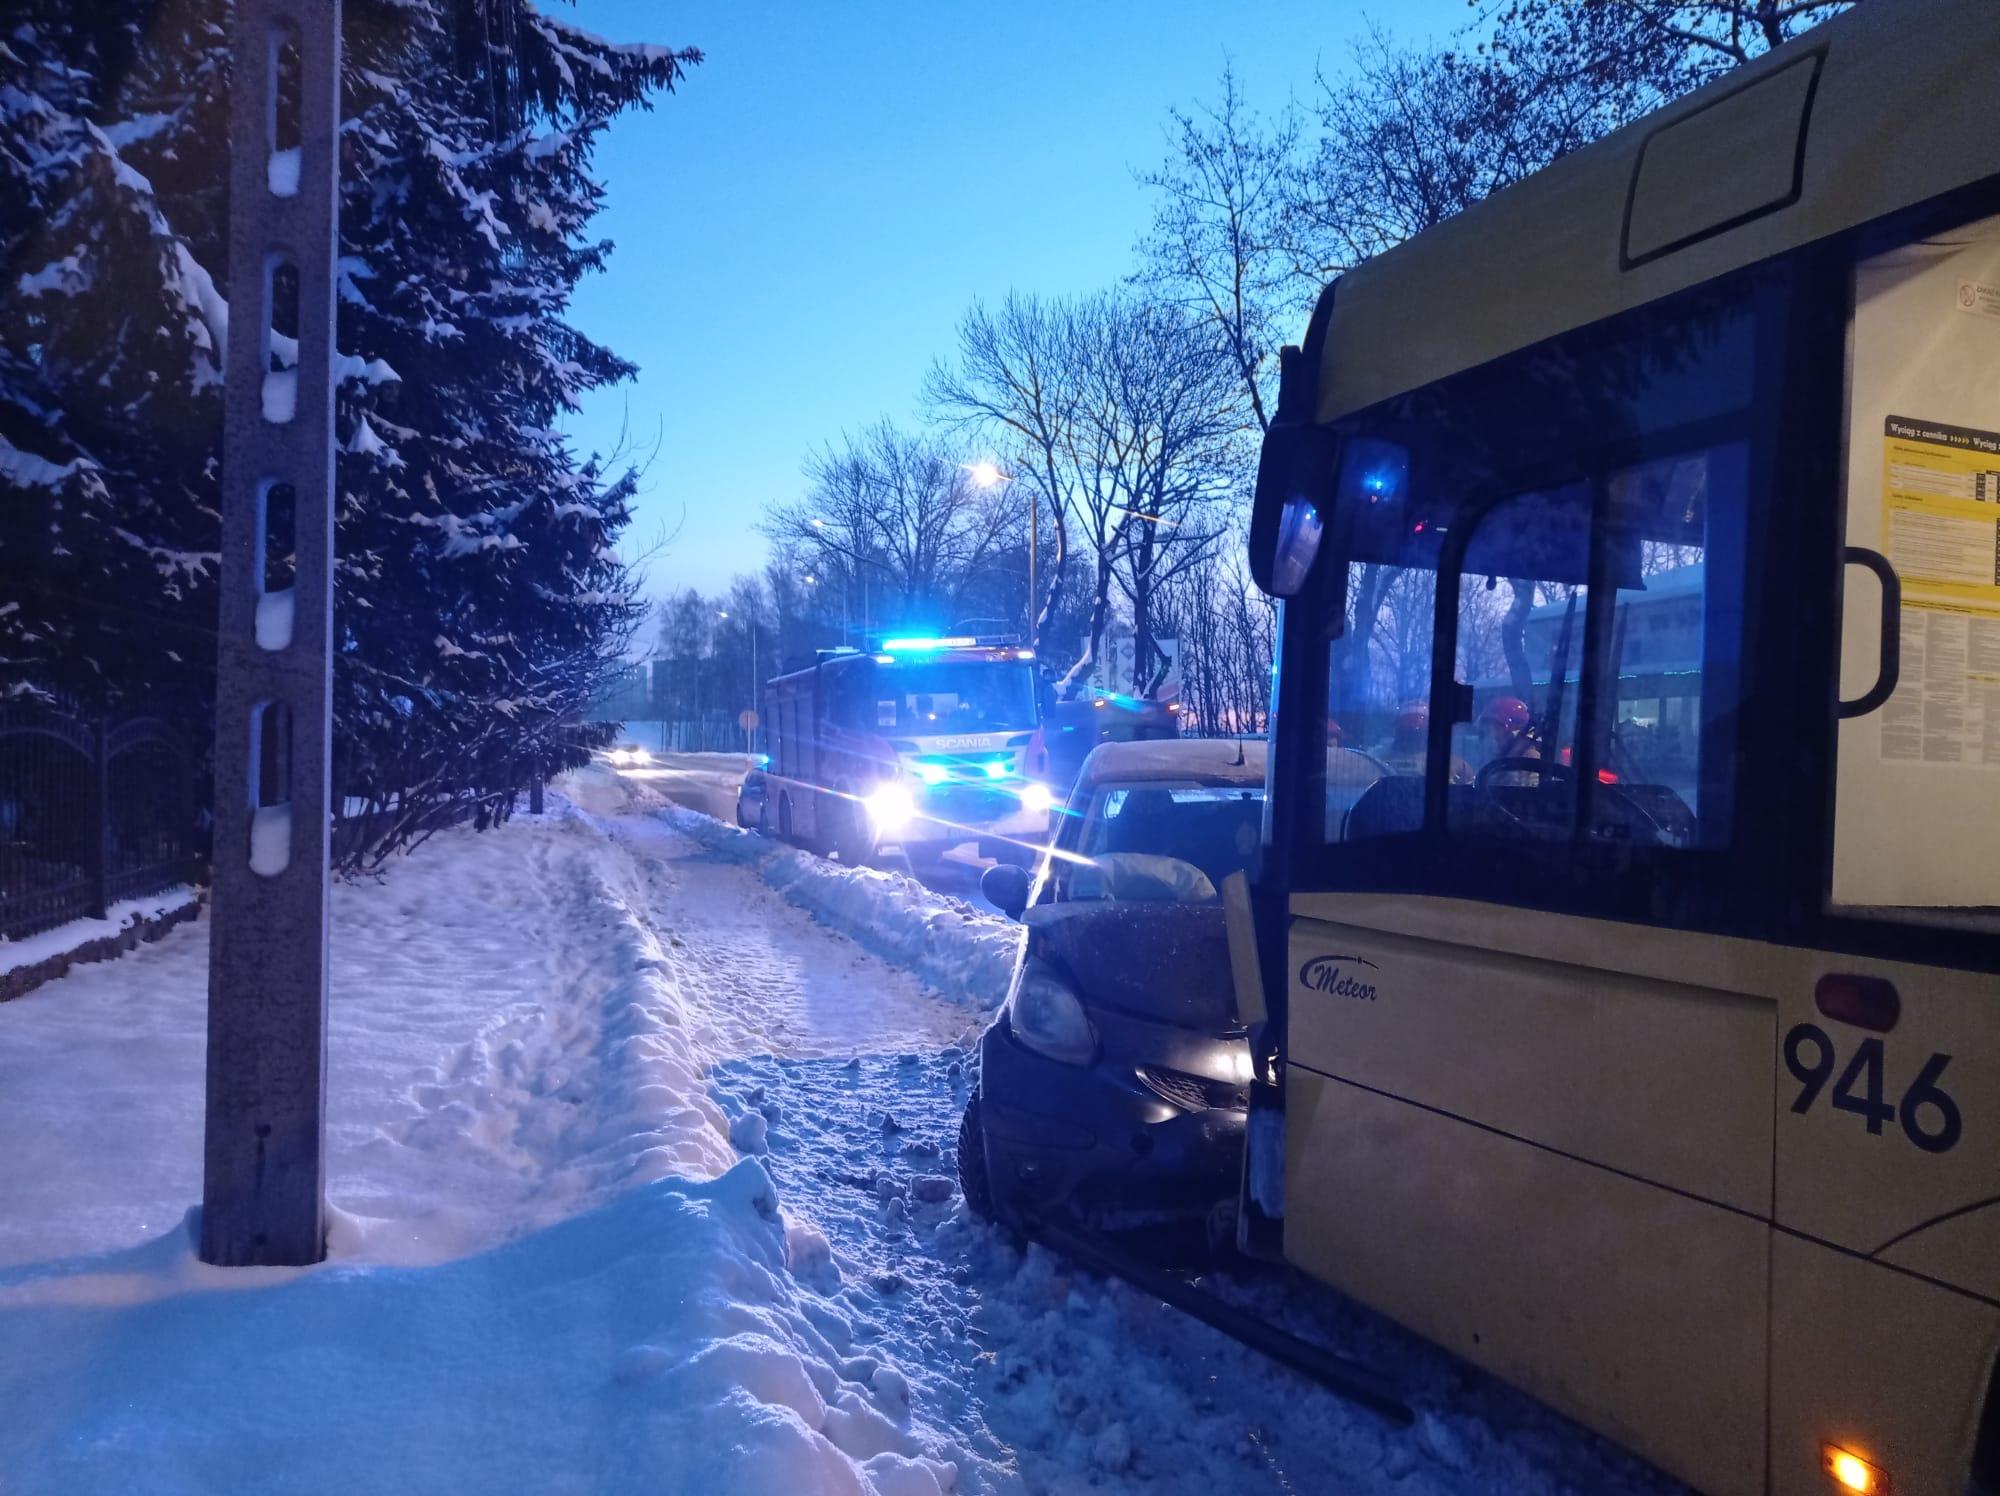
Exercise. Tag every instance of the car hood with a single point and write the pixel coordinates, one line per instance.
(1166, 963)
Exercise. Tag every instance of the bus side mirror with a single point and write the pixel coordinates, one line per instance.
(1006, 888)
(1294, 477)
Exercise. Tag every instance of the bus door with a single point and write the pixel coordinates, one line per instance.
(1888, 1077)
(1537, 1134)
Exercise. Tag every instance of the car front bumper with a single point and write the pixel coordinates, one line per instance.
(1095, 1144)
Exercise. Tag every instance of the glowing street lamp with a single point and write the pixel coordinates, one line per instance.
(986, 473)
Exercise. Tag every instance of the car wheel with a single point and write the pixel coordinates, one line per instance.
(972, 1180)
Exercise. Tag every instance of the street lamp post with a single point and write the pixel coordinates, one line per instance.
(749, 717)
(986, 473)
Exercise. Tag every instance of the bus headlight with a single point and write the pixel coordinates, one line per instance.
(1037, 797)
(890, 807)
(1046, 1016)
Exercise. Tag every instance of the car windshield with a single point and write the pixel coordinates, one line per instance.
(1173, 842)
(955, 696)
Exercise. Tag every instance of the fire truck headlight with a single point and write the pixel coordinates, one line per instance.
(931, 773)
(996, 769)
(890, 807)
(1037, 797)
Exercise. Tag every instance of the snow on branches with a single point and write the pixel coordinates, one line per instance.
(479, 598)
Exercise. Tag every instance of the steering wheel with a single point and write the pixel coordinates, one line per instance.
(1618, 815)
(1548, 775)
(1542, 768)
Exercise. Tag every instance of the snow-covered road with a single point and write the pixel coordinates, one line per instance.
(641, 1158)
(773, 981)
(1052, 1379)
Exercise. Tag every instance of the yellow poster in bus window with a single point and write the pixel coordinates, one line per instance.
(1941, 529)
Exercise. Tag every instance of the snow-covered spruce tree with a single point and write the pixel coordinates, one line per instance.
(478, 597)
(110, 339)
(482, 562)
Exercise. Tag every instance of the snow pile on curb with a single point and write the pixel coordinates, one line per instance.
(965, 953)
(654, 1344)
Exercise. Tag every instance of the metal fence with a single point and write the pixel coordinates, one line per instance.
(92, 810)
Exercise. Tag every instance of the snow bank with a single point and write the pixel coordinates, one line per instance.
(653, 1344)
(966, 954)
(548, 1268)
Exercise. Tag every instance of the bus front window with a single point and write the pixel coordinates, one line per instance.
(1584, 509)
(1523, 600)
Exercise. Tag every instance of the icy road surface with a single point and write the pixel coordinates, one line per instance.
(640, 1160)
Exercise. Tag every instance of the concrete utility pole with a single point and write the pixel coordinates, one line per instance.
(264, 1180)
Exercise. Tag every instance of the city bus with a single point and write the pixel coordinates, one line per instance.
(919, 744)
(1635, 1033)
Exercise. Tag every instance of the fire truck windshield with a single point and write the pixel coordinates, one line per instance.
(927, 696)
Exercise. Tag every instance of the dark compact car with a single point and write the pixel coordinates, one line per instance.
(1113, 1083)
(751, 802)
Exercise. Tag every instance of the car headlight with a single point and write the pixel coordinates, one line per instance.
(1046, 1016)
(639, 756)
(1037, 796)
(620, 756)
(890, 807)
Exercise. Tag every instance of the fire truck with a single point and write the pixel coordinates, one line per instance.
(919, 744)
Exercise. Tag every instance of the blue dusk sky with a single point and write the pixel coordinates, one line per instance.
(801, 226)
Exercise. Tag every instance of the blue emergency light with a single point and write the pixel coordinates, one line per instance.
(923, 642)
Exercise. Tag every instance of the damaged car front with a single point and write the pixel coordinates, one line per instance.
(1113, 1083)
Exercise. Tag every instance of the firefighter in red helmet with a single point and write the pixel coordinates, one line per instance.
(1506, 727)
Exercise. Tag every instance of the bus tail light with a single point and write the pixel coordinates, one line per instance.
(1852, 1473)
(1865, 1002)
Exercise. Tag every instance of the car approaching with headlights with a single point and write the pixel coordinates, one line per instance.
(1113, 1081)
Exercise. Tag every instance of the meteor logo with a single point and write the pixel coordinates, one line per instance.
(1331, 974)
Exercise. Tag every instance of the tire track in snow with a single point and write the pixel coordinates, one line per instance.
(767, 977)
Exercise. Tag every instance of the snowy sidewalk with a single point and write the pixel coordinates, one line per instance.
(548, 1272)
